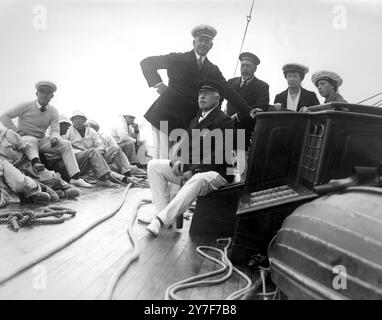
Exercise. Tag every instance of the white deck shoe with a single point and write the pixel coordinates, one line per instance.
(154, 227)
(145, 220)
(80, 183)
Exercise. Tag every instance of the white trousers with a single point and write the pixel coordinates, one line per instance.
(63, 148)
(161, 144)
(159, 174)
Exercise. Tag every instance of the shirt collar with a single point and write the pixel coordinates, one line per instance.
(205, 114)
(248, 81)
(298, 93)
(39, 105)
(198, 56)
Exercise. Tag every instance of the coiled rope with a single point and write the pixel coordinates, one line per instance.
(51, 252)
(16, 220)
(108, 293)
(225, 264)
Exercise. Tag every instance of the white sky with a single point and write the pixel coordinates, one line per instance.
(92, 49)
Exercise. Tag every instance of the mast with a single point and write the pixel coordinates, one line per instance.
(249, 17)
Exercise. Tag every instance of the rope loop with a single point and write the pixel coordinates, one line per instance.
(16, 220)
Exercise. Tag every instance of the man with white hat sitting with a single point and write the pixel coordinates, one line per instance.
(89, 161)
(35, 117)
(127, 136)
(83, 138)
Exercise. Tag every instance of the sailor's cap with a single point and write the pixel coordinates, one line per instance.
(327, 75)
(128, 116)
(78, 113)
(211, 85)
(249, 56)
(49, 84)
(204, 30)
(92, 123)
(295, 67)
(63, 119)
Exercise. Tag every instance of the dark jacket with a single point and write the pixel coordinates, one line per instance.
(217, 119)
(307, 99)
(335, 98)
(256, 93)
(179, 104)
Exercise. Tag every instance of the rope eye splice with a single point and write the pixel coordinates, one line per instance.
(17, 220)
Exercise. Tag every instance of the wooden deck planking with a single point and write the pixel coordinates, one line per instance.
(65, 262)
(156, 259)
(108, 243)
(187, 265)
(28, 244)
(83, 269)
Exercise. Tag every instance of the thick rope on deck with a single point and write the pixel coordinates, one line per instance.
(197, 281)
(108, 293)
(17, 271)
(17, 220)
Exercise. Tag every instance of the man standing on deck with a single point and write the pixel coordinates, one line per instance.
(34, 119)
(251, 89)
(202, 171)
(178, 102)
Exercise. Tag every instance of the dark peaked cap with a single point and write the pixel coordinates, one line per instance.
(249, 56)
(211, 85)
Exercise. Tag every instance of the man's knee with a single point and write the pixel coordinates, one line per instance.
(95, 154)
(113, 152)
(64, 144)
(152, 164)
(199, 179)
(155, 164)
(31, 140)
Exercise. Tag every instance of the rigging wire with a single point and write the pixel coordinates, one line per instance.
(378, 103)
(371, 97)
(249, 17)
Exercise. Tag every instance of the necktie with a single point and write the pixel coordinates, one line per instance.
(43, 109)
(200, 63)
(244, 83)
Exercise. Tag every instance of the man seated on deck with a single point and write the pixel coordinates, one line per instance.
(127, 135)
(83, 138)
(34, 119)
(198, 179)
(21, 154)
(108, 142)
(14, 184)
(90, 161)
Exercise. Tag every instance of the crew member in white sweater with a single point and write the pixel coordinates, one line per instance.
(34, 119)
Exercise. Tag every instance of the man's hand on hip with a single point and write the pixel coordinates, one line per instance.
(161, 88)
